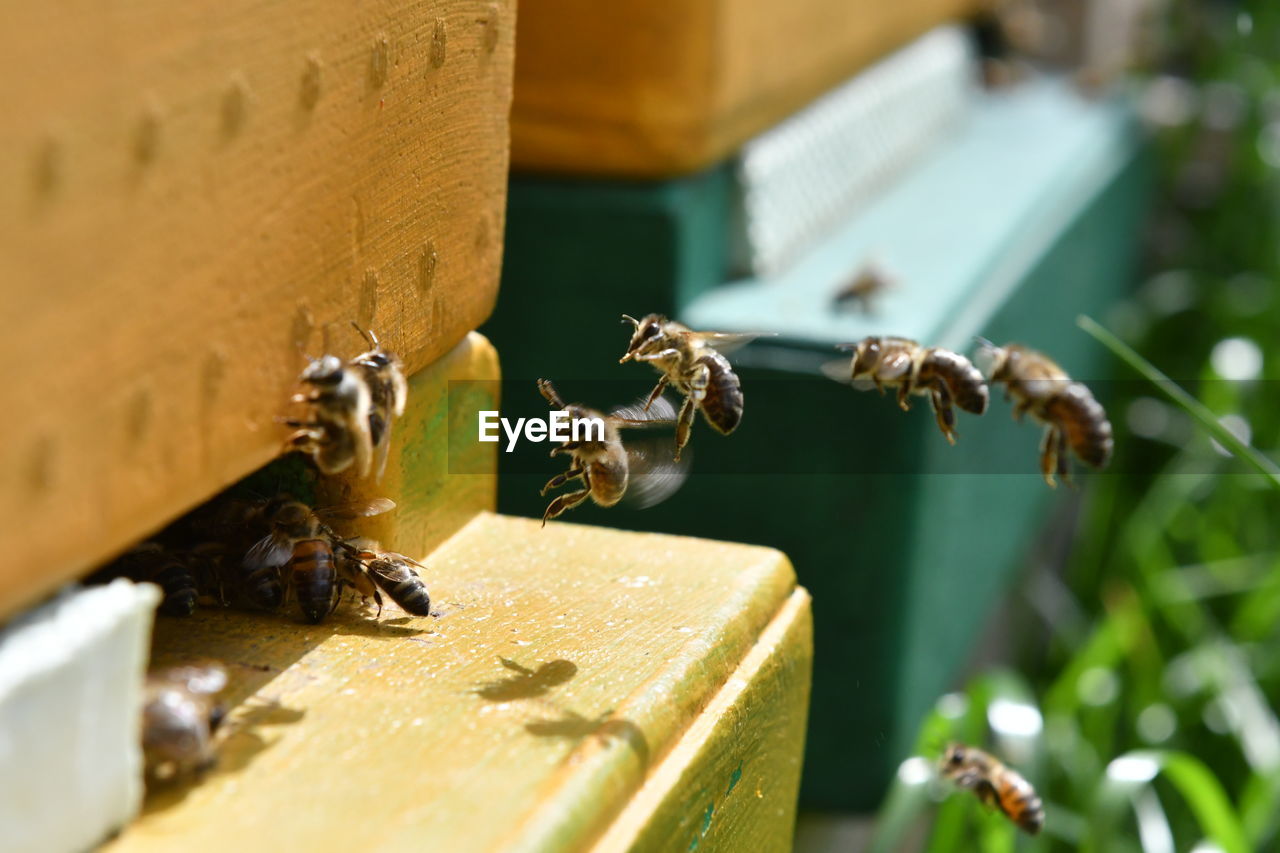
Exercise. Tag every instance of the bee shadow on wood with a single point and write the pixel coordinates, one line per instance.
(573, 726)
(526, 683)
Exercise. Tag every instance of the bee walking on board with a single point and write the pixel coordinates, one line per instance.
(995, 785)
(397, 576)
(694, 363)
(180, 715)
(609, 470)
(153, 563)
(945, 377)
(1071, 416)
(383, 374)
(336, 434)
(298, 554)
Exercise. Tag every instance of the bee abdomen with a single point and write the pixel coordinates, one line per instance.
(1024, 807)
(1085, 422)
(314, 578)
(965, 382)
(608, 482)
(179, 589)
(722, 406)
(405, 588)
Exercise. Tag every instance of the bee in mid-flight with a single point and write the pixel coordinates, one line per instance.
(383, 373)
(692, 362)
(336, 435)
(180, 714)
(995, 785)
(298, 554)
(867, 285)
(943, 376)
(1072, 417)
(609, 470)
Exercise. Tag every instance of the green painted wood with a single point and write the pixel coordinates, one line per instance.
(1027, 218)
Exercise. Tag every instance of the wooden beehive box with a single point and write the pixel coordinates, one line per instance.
(194, 195)
(657, 88)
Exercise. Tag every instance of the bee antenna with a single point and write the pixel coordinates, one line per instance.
(368, 335)
(983, 342)
(627, 318)
(846, 347)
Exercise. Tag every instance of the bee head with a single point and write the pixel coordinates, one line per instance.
(866, 357)
(325, 371)
(955, 756)
(647, 332)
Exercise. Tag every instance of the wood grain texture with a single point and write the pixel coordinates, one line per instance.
(190, 194)
(570, 661)
(733, 780)
(657, 88)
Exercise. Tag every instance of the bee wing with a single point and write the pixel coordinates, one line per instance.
(895, 365)
(381, 451)
(399, 390)
(661, 412)
(727, 342)
(401, 557)
(270, 551)
(356, 509)
(654, 475)
(204, 678)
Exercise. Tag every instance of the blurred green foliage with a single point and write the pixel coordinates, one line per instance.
(1147, 708)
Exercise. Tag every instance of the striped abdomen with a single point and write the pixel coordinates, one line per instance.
(965, 382)
(722, 406)
(1019, 801)
(314, 577)
(179, 587)
(608, 478)
(1084, 421)
(402, 583)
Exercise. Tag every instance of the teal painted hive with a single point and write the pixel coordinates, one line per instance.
(1026, 218)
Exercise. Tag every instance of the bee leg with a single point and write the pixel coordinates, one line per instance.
(563, 503)
(656, 392)
(684, 423)
(904, 395)
(942, 410)
(1064, 467)
(1049, 455)
(560, 479)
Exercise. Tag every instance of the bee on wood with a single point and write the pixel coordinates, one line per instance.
(867, 285)
(151, 562)
(396, 575)
(337, 433)
(298, 554)
(995, 785)
(692, 362)
(608, 469)
(180, 715)
(943, 376)
(1072, 417)
(383, 374)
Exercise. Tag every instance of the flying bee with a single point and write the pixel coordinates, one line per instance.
(383, 373)
(943, 376)
(693, 363)
(995, 785)
(298, 553)
(1071, 416)
(180, 715)
(611, 471)
(867, 285)
(337, 435)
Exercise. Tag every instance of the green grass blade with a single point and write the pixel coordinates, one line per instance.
(1185, 401)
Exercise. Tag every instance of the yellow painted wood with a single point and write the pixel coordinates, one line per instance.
(657, 88)
(190, 195)
(733, 780)
(570, 664)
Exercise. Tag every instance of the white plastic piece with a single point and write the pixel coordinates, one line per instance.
(71, 674)
(811, 171)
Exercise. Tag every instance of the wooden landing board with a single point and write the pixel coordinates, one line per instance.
(571, 664)
(658, 88)
(191, 195)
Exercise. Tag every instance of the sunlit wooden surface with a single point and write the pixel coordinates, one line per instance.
(581, 685)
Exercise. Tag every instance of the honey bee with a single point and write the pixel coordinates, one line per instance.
(337, 435)
(383, 374)
(995, 785)
(609, 470)
(396, 575)
(693, 363)
(301, 546)
(1072, 417)
(868, 283)
(180, 715)
(943, 376)
(153, 563)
